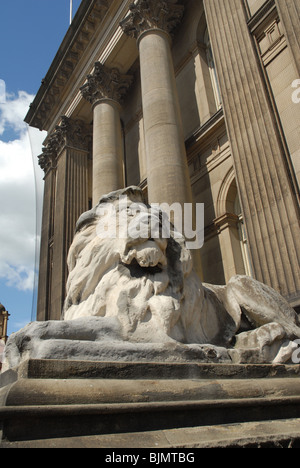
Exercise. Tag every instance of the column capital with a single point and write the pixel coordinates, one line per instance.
(105, 83)
(73, 133)
(47, 159)
(152, 14)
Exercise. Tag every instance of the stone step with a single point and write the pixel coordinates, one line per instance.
(51, 421)
(45, 400)
(34, 392)
(67, 369)
(264, 434)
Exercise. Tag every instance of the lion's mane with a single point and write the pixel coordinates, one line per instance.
(149, 285)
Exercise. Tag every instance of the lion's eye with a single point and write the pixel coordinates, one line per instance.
(129, 212)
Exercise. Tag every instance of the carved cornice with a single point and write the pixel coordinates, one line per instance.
(105, 83)
(225, 221)
(89, 16)
(72, 133)
(152, 14)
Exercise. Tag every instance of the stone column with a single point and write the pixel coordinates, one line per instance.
(167, 171)
(151, 23)
(267, 197)
(104, 90)
(65, 161)
(289, 13)
(47, 161)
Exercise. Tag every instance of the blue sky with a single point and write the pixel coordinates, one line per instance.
(30, 33)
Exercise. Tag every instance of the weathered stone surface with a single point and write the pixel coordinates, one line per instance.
(69, 369)
(98, 339)
(265, 434)
(79, 402)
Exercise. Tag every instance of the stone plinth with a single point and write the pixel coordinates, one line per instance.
(75, 403)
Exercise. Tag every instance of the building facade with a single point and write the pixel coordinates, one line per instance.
(193, 101)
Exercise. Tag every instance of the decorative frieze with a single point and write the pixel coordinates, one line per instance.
(152, 14)
(105, 83)
(73, 133)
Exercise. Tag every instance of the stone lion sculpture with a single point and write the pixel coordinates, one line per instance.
(132, 295)
(150, 285)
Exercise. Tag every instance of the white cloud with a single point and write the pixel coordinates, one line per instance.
(18, 206)
(13, 111)
(2, 92)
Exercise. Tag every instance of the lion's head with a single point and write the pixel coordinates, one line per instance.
(117, 267)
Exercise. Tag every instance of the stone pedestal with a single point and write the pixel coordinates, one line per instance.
(56, 403)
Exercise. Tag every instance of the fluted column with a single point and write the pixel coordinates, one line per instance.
(267, 196)
(47, 161)
(167, 171)
(289, 13)
(104, 90)
(65, 161)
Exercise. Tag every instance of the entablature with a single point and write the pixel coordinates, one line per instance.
(94, 35)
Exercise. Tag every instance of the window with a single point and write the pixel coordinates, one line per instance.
(212, 70)
(242, 236)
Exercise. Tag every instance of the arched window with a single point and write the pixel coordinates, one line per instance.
(231, 229)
